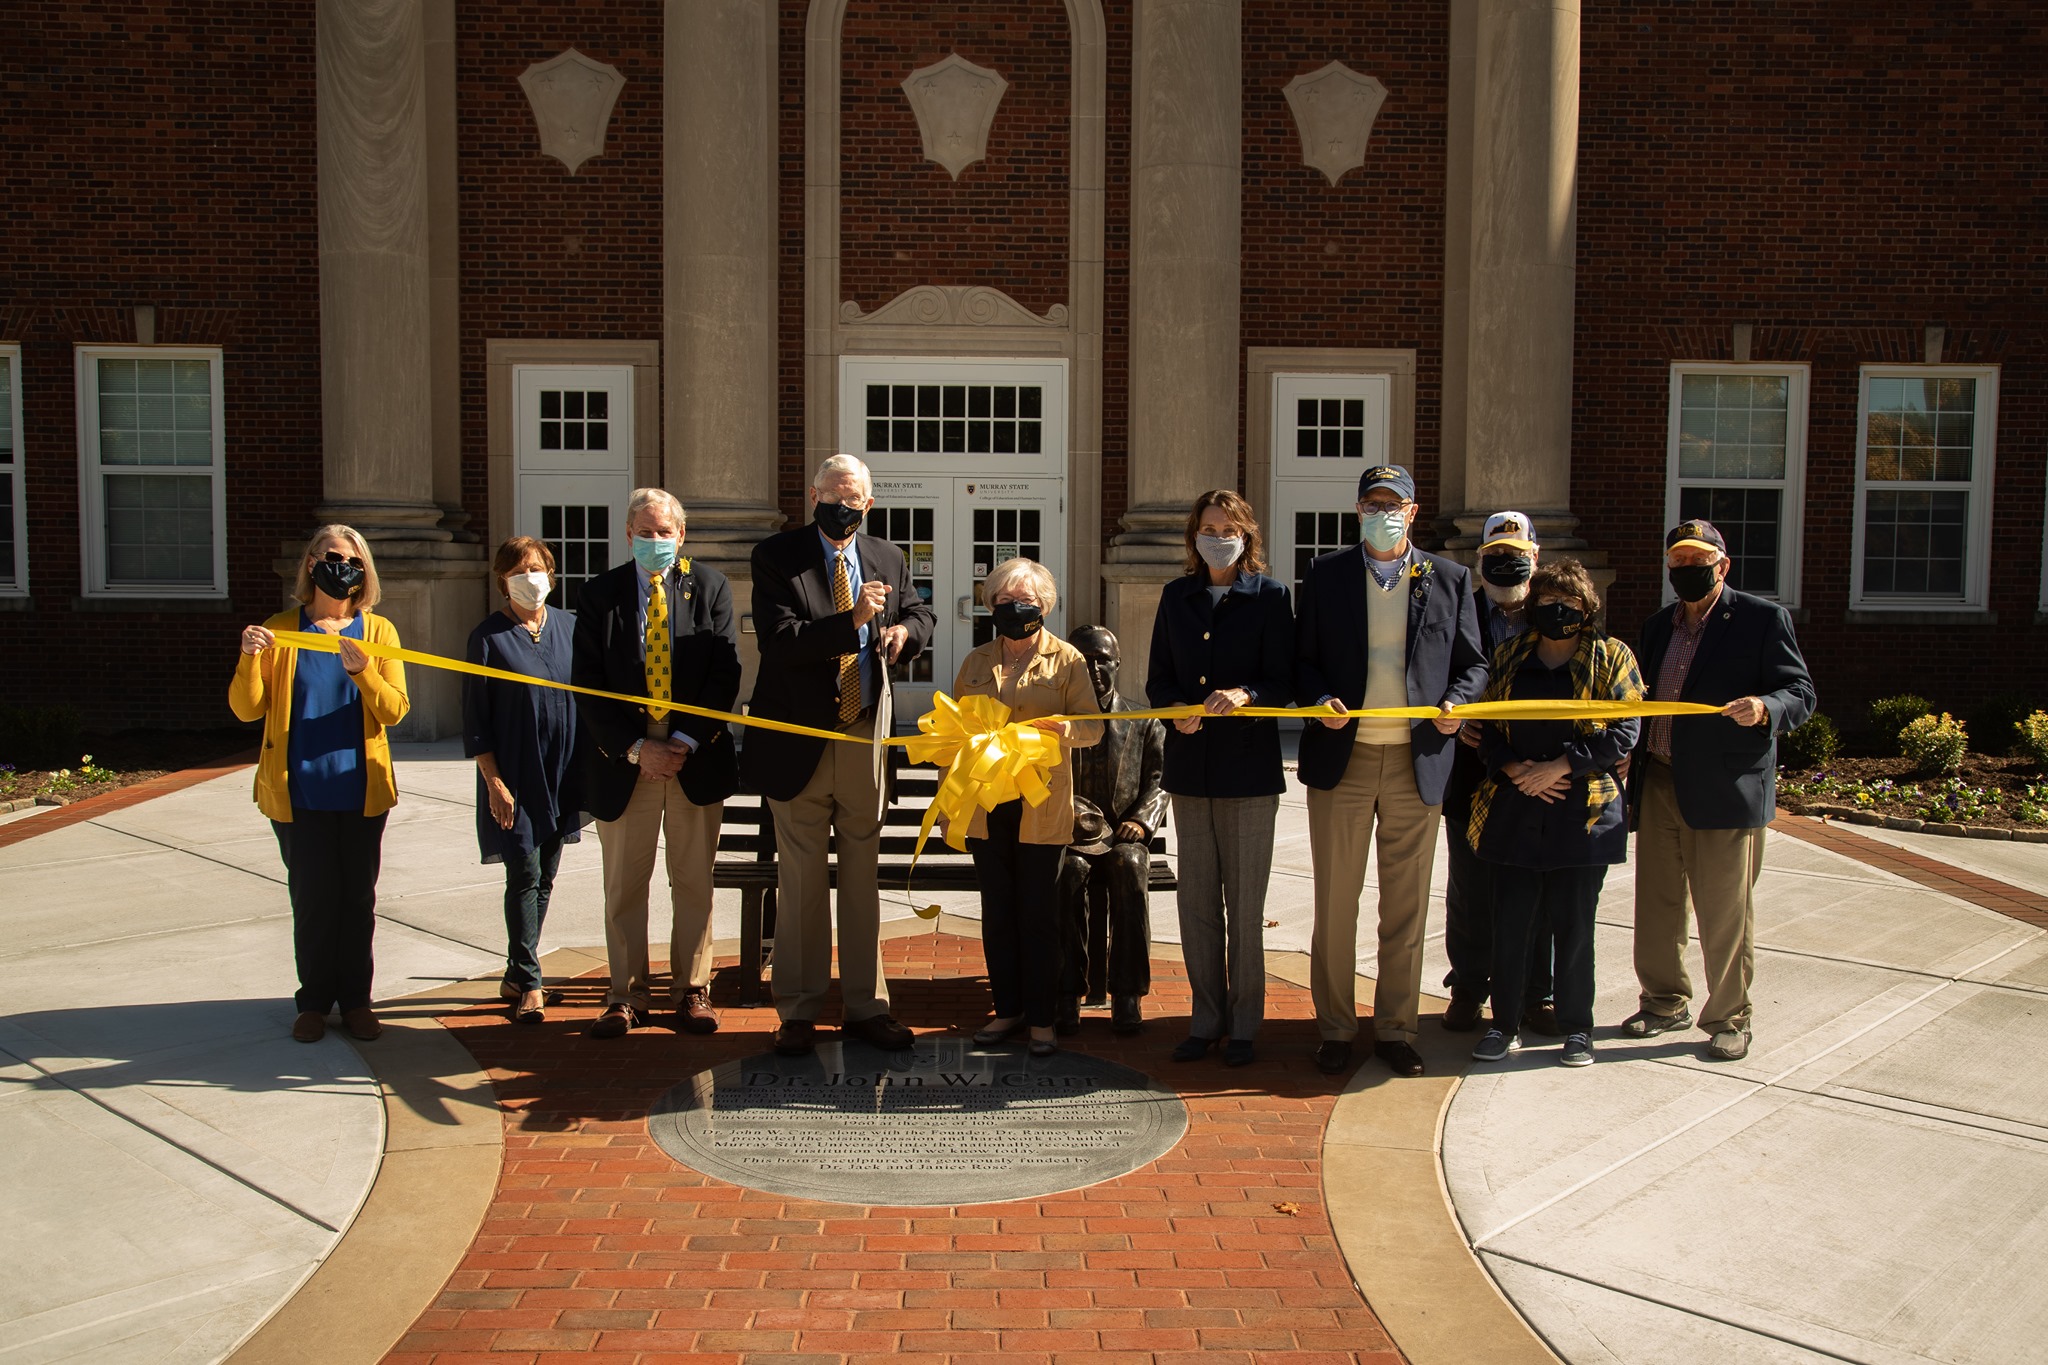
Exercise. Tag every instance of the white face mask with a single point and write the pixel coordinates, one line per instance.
(528, 590)
(1219, 552)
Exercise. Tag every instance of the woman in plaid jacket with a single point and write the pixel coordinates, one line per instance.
(1550, 816)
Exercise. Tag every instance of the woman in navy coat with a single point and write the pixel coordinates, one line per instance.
(1223, 638)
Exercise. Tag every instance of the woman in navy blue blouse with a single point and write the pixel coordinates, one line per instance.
(529, 793)
(1223, 638)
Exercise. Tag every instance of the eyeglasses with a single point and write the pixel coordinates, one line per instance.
(337, 557)
(1373, 505)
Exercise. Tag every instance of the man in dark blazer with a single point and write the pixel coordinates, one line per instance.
(1702, 788)
(1379, 625)
(832, 610)
(657, 626)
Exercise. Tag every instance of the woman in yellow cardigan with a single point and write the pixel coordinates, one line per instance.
(324, 776)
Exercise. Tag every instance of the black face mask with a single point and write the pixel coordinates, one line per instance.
(1015, 620)
(1505, 571)
(836, 519)
(1693, 582)
(339, 581)
(1556, 621)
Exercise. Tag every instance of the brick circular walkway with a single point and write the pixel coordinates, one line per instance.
(601, 1247)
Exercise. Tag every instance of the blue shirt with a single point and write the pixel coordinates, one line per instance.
(672, 586)
(324, 766)
(853, 582)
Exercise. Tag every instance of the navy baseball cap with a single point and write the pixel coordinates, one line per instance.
(1696, 535)
(1388, 476)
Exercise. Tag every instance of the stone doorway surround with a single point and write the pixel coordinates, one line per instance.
(501, 356)
(939, 320)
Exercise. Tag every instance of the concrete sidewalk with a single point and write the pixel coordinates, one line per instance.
(1869, 1185)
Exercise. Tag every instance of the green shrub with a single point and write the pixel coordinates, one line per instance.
(1935, 744)
(2030, 738)
(1890, 715)
(1993, 722)
(39, 736)
(1812, 744)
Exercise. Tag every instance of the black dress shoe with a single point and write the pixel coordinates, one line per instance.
(1126, 1015)
(1542, 1019)
(796, 1038)
(1462, 1014)
(879, 1030)
(1239, 1052)
(1333, 1056)
(1068, 1021)
(1401, 1059)
(992, 1035)
(1192, 1049)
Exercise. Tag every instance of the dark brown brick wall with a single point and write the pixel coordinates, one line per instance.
(1361, 263)
(158, 154)
(1841, 177)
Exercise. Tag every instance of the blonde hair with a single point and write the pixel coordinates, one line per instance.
(373, 588)
(644, 498)
(1004, 576)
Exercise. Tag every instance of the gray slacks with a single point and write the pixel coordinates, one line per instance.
(1226, 859)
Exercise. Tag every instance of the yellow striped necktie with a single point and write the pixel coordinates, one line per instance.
(849, 664)
(658, 669)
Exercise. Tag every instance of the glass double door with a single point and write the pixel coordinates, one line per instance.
(573, 453)
(953, 530)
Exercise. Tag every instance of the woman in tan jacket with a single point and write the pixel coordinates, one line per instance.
(1017, 847)
(324, 774)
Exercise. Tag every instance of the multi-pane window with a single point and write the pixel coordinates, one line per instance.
(1738, 437)
(911, 530)
(955, 419)
(1329, 428)
(150, 457)
(13, 537)
(1000, 535)
(580, 536)
(1923, 484)
(572, 419)
(1318, 533)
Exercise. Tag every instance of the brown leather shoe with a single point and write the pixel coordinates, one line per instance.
(796, 1038)
(694, 1014)
(361, 1024)
(616, 1022)
(310, 1026)
(879, 1030)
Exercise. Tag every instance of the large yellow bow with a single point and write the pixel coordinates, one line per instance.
(988, 760)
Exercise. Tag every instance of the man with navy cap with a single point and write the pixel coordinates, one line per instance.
(1703, 787)
(1380, 625)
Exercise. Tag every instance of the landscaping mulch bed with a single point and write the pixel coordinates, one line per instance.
(2006, 795)
(123, 759)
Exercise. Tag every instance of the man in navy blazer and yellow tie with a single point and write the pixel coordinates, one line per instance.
(662, 628)
(832, 610)
(1381, 624)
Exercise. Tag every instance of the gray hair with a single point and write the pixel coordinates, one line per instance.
(658, 498)
(1004, 577)
(843, 466)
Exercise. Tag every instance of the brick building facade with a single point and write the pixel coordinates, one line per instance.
(1796, 227)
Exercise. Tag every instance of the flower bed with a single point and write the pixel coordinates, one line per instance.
(109, 762)
(1992, 797)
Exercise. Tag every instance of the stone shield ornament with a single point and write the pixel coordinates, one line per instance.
(955, 104)
(572, 97)
(1334, 109)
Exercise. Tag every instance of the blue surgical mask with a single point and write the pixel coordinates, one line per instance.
(654, 556)
(1383, 530)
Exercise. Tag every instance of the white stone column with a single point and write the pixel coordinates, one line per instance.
(376, 371)
(1187, 157)
(444, 267)
(720, 234)
(1522, 264)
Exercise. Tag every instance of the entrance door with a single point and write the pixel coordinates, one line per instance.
(574, 454)
(1327, 429)
(969, 459)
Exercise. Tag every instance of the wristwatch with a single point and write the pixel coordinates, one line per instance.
(633, 754)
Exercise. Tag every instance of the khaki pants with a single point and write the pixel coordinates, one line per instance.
(1378, 787)
(658, 809)
(1718, 869)
(841, 794)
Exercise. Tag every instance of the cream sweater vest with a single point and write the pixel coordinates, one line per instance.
(1386, 668)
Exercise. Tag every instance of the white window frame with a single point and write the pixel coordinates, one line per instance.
(15, 471)
(92, 516)
(1791, 528)
(1977, 549)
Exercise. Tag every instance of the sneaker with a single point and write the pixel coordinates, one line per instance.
(1496, 1046)
(1649, 1023)
(1542, 1020)
(1578, 1051)
(1729, 1045)
(1462, 1014)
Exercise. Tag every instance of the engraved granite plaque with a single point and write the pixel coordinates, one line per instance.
(942, 1124)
